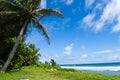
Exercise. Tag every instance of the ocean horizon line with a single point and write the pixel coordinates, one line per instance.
(93, 64)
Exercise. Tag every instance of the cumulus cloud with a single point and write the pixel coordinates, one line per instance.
(68, 49)
(43, 4)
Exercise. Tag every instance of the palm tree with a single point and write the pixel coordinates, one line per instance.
(53, 63)
(26, 11)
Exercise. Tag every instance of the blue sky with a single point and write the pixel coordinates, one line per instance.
(88, 33)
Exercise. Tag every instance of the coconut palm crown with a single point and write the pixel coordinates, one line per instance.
(25, 11)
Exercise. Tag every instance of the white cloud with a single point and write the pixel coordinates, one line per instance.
(99, 6)
(88, 3)
(98, 25)
(110, 14)
(69, 2)
(108, 55)
(88, 20)
(115, 50)
(116, 28)
(84, 56)
(43, 4)
(104, 13)
(68, 49)
(103, 51)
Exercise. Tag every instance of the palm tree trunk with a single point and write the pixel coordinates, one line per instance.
(4, 68)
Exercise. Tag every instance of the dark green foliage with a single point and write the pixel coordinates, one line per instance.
(26, 54)
(47, 63)
(53, 63)
(7, 31)
(66, 70)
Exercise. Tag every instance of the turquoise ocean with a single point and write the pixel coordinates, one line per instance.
(112, 68)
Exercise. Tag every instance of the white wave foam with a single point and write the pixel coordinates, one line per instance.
(108, 68)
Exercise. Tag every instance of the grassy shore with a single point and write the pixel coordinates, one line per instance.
(37, 73)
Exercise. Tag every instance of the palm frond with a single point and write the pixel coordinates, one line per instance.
(33, 4)
(42, 28)
(36, 13)
(7, 12)
(9, 5)
(36, 4)
(48, 12)
(18, 3)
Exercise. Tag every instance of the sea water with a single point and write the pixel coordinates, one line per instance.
(105, 68)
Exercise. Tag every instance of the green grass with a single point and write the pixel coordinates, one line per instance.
(37, 73)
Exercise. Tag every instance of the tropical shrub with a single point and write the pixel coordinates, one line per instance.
(26, 54)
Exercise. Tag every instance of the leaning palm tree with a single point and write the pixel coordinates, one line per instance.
(26, 11)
